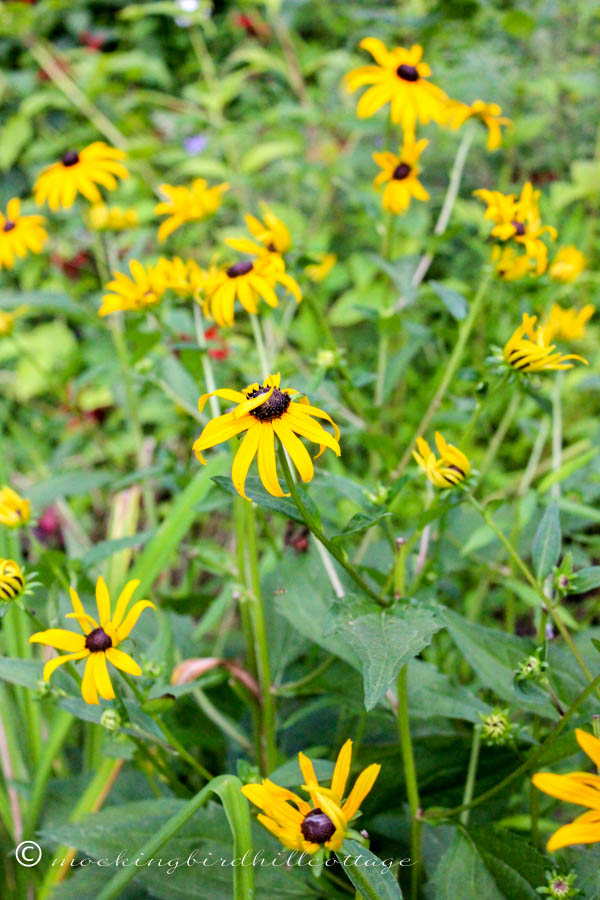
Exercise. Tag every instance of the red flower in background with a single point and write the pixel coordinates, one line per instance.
(220, 351)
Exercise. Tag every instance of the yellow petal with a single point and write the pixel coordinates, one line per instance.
(57, 661)
(101, 676)
(123, 601)
(123, 661)
(363, 785)
(59, 638)
(103, 598)
(80, 613)
(243, 459)
(132, 617)
(342, 770)
(89, 691)
(589, 744)
(298, 452)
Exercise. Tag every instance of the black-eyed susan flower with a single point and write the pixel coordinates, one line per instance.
(510, 264)
(80, 172)
(8, 319)
(399, 78)
(568, 264)
(144, 288)
(568, 324)
(488, 113)
(14, 509)
(324, 821)
(266, 412)
(529, 350)
(19, 234)
(112, 218)
(519, 220)
(99, 641)
(248, 281)
(581, 788)
(12, 580)
(318, 271)
(272, 235)
(447, 470)
(187, 204)
(401, 175)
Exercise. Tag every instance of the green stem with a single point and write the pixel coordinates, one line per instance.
(534, 584)
(557, 429)
(58, 735)
(260, 345)
(257, 615)
(500, 432)
(410, 777)
(450, 371)
(318, 533)
(471, 774)
(209, 378)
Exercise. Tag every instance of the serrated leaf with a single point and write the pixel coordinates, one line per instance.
(385, 640)
(547, 542)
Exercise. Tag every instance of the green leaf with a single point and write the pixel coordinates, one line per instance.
(105, 549)
(516, 866)
(431, 694)
(358, 523)
(16, 132)
(547, 542)
(384, 640)
(263, 153)
(45, 300)
(255, 491)
(586, 580)
(461, 872)
(454, 302)
(370, 875)
(69, 484)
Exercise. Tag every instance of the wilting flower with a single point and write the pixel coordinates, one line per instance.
(145, 288)
(320, 270)
(509, 264)
(249, 282)
(99, 641)
(265, 412)
(19, 234)
(399, 78)
(401, 175)
(185, 277)
(112, 218)
(80, 172)
(449, 469)
(568, 264)
(14, 509)
(519, 220)
(8, 319)
(567, 323)
(488, 113)
(273, 235)
(12, 580)
(529, 350)
(187, 204)
(576, 787)
(322, 822)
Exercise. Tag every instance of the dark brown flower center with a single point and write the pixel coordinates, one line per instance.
(519, 228)
(273, 408)
(70, 158)
(317, 827)
(240, 268)
(98, 640)
(9, 225)
(401, 172)
(407, 73)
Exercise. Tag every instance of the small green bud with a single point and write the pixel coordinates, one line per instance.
(42, 689)
(496, 728)
(152, 668)
(111, 720)
(379, 496)
(559, 887)
(531, 668)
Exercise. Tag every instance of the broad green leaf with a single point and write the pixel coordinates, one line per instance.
(370, 875)
(255, 491)
(431, 694)
(16, 132)
(358, 523)
(547, 542)
(384, 640)
(586, 580)
(462, 873)
(105, 549)
(454, 302)
(68, 484)
(516, 866)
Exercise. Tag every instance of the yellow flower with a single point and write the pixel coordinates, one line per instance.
(273, 235)
(450, 469)
(519, 220)
(80, 172)
(265, 412)
(185, 277)
(320, 270)
(529, 350)
(99, 640)
(322, 822)
(112, 218)
(12, 580)
(488, 113)
(582, 788)
(568, 264)
(399, 78)
(145, 288)
(248, 281)
(7, 319)
(187, 204)
(401, 175)
(567, 323)
(19, 234)
(509, 264)
(14, 509)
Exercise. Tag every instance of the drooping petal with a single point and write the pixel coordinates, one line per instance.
(243, 459)
(89, 691)
(267, 464)
(589, 744)
(101, 676)
(123, 661)
(57, 661)
(132, 617)
(298, 452)
(585, 829)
